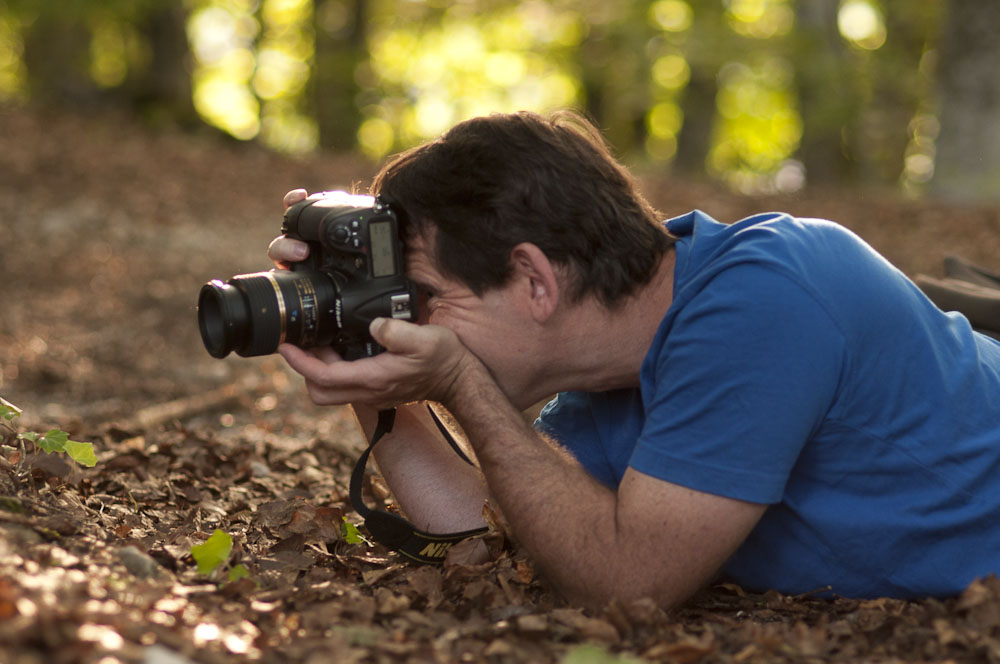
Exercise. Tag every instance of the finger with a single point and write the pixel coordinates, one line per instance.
(303, 362)
(400, 336)
(283, 251)
(294, 196)
(325, 396)
(324, 367)
(327, 354)
(329, 379)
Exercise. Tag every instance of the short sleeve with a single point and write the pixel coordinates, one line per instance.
(743, 376)
(599, 428)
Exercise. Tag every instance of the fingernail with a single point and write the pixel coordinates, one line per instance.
(300, 251)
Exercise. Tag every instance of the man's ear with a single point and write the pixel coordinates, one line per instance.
(533, 270)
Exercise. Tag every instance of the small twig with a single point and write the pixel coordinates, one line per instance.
(28, 522)
(152, 416)
(814, 591)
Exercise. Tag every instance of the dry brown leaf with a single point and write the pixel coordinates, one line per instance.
(589, 629)
(686, 652)
(426, 582)
(531, 624)
(467, 553)
(8, 599)
(389, 603)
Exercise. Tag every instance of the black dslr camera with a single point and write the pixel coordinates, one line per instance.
(354, 274)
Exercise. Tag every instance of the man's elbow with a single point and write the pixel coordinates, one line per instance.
(599, 590)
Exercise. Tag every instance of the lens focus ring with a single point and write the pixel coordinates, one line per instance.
(266, 307)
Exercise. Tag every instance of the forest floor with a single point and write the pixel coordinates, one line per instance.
(108, 230)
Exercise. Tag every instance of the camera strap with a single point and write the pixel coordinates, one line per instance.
(392, 530)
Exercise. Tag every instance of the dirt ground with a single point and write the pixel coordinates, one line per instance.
(107, 231)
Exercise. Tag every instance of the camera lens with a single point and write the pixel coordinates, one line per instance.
(253, 313)
(222, 317)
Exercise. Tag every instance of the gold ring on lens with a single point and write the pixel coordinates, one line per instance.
(281, 303)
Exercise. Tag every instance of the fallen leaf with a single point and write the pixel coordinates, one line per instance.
(426, 583)
(389, 603)
(8, 599)
(468, 552)
(213, 552)
(138, 563)
(589, 629)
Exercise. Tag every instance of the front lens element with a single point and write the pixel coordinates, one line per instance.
(222, 317)
(253, 313)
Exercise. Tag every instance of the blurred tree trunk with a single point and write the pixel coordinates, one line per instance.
(593, 56)
(614, 72)
(341, 47)
(828, 104)
(968, 148)
(897, 89)
(57, 60)
(698, 108)
(160, 89)
(711, 46)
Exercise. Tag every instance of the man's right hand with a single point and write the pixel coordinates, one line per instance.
(282, 250)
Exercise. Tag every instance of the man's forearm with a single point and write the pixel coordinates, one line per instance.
(557, 511)
(436, 489)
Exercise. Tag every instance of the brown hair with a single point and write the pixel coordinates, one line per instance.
(493, 182)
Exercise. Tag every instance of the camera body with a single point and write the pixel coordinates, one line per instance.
(354, 273)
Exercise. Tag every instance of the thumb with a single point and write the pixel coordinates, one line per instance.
(376, 329)
(398, 336)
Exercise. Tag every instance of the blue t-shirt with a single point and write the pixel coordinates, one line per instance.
(797, 368)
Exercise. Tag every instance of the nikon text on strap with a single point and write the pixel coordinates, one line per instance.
(392, 530)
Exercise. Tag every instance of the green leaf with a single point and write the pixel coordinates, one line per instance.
(238, 572)
(29, 436)
(53, 441)
(213, 552)
(82, 453)
(590, 653)
(351, 534)
(8, 411)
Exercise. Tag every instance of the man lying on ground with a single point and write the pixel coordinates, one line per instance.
(769, 399)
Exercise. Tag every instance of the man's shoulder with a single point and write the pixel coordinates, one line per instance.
(814, 253)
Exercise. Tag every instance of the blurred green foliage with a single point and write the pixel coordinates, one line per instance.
(762, 94)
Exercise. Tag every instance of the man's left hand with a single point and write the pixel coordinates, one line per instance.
(422, 362)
